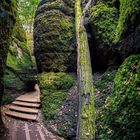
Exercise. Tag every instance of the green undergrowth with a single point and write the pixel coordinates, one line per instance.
(6, 99)
(120, 115)
(18, 58)
(54, 88)
(103, 87)
(12, 79)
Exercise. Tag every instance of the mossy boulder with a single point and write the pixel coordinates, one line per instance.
(115, 29)
(120, 116)
(59, 105)
(8, 10)
(54, 36)
(18, 60)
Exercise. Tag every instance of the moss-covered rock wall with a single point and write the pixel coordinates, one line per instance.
(128, 28)
(18, 60)
(115, 29)
(103, 22)
(120, 115)
(54, 36)
(8, 11)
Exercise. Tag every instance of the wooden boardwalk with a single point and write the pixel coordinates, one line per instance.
(26, 106)
(25, 130)
(23, 119)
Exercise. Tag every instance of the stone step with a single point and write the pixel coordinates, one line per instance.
(21, 115)
(23, 109)
(28, 99)
(26, 104)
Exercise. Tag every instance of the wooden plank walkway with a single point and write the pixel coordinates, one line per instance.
(23, 119)
(23, 109)
(25, 106)
(22, 115)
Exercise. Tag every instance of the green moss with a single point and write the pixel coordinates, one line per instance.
(104, 20)
(120, 116)
(129, 17)
(8, 10)
(86, 120)
(54, 88)
(7, 99)
(54, 36)
(110, 2)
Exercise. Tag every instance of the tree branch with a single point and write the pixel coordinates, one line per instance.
(86, 9)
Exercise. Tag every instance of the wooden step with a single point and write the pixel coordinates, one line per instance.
(23, 109)
(21, 115)
(26, 104)
(28, 99)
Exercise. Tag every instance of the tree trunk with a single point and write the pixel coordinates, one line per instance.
(86, 115)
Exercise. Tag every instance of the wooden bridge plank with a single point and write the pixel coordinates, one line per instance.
(23, 109)
(26, 104)
(28, 99)
(21, 115)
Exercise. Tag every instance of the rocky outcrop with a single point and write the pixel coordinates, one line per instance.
(7, 21)
(18, 60)
(8, 11)
(54, 36)
(115, 32)
(59, 103)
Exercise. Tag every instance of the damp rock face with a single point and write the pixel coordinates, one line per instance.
(8, 11)
(54, 36)
(19, 60)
